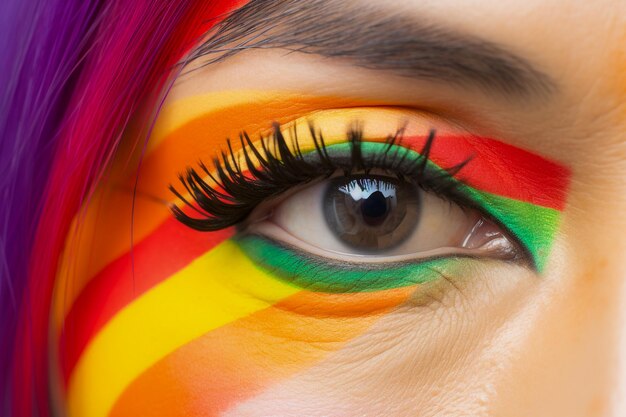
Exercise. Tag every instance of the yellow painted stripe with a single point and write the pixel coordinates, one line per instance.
(218, 288)
(255, 110)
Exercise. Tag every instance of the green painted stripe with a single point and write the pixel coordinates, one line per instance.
(533, 226)
(320, 274)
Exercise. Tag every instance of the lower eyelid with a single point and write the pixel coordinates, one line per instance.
(275, 234)
(313, 273)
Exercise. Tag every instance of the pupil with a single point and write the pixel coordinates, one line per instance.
(374, 209)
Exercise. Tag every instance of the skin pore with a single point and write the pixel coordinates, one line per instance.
(190, 325)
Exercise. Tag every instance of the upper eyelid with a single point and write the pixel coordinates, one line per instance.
(196, 126)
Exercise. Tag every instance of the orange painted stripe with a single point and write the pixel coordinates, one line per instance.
(218, 288)
(233, 363)
(203, 136)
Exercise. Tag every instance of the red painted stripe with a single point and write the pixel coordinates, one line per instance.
(500, 168)
(165, 251)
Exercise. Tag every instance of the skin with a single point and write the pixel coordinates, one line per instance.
(494, 339)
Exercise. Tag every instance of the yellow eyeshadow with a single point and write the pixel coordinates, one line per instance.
(180, 139)
(376, 124)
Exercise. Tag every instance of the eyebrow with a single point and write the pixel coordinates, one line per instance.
(372, 38)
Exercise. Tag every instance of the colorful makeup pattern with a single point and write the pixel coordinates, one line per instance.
(211, 319)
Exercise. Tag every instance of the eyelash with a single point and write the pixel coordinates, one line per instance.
(235, 194)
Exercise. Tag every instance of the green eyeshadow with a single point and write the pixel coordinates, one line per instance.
(320, 274)
(533, 226)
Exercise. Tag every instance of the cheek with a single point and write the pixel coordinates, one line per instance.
(574, 338)
(439, 353)
(241, 359)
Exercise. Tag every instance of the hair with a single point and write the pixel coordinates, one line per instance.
(73, 72)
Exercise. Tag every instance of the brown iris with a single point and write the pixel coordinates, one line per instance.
(371, 212)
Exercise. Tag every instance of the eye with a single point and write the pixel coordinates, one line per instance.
(334, 192)
(379, 218)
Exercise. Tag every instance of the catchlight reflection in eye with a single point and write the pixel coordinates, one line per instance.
(370, 213)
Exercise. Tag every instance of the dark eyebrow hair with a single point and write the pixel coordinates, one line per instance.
(373, 38)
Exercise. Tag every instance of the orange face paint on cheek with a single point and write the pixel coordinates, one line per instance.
(253, 329)
(213, 290)
(235, 362)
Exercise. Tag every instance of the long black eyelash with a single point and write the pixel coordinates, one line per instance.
(235, 194)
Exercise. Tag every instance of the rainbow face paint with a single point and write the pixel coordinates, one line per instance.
(533, 225)
(211, 319)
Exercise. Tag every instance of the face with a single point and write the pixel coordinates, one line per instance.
(419, 211)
